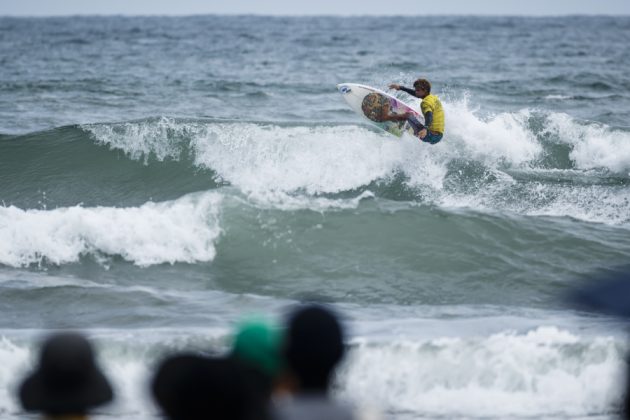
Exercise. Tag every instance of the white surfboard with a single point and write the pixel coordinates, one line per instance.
(372, 104)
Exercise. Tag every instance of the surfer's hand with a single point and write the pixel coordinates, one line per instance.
(422, 133)
(394, 86)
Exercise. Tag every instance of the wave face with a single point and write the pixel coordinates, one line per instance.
(524, 162)
(162, 178)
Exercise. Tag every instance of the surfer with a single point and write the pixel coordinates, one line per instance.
(433, 128)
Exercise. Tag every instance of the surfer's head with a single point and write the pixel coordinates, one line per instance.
(422, 87)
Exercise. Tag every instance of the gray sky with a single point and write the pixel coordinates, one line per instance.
(293, 7)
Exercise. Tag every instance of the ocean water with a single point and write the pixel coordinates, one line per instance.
(161, 178)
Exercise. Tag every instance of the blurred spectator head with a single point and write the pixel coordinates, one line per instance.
(313, 346)
(67, 380)
(256, 348)
(196, 387)
(607, 292)
(257, 344)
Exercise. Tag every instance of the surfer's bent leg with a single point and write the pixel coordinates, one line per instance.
(432, 138)
(415, 124)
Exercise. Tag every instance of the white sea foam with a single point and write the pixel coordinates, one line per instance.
(291, 202)
(591, 203)
(184, 230)
(501, 138)
(609, 205)
(546, 371)
(314, 160)
(13, 361)
(593, 145)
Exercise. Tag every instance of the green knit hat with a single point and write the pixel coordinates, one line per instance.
(258, 343)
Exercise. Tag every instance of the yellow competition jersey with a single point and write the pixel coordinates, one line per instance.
(431, 103)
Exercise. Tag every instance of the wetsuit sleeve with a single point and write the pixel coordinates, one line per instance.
(409, 91)
(428, 119)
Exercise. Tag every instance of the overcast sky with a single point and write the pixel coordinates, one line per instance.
(327, 7)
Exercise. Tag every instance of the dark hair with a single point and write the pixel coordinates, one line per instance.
(67, 379)
(189, 386)
(314, 346)
(422, 84)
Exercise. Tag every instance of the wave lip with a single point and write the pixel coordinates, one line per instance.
(162, 138)
(184, 230)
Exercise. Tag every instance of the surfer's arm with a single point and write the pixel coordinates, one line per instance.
(387, 115)
(428, 119)
(412, 92)
(395, 117)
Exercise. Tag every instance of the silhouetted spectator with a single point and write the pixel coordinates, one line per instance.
(313, 347)
(67, 382)
(256, 347)
(190, 387)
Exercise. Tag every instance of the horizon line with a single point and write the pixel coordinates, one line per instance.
(303, 15)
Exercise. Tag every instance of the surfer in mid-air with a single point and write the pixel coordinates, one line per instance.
(433, 128)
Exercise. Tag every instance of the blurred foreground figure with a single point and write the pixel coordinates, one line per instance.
(256, 349)
(609, 293)
(313, 348)
(67, 383)
(191, 387)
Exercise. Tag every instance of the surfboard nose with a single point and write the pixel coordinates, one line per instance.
(343, 88)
